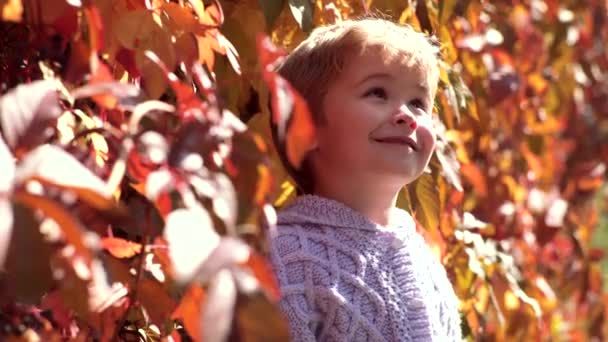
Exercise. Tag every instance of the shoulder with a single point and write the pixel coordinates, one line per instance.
(296, 257)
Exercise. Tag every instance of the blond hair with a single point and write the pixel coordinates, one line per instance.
(318, 60)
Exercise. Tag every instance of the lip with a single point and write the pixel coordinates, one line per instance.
(398, 140)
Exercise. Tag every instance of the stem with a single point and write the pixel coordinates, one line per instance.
(140, 269)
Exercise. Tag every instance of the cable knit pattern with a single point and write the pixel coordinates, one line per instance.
(345, 278)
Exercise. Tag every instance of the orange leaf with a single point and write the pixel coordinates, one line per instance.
(95, 24)
(263, 272)
(189, 311)
(476, 178)
(296, 130)
(120, 248)
(301, 132)
(101, 74)
(11, 10)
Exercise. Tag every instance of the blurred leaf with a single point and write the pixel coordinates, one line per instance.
(154, 298)
(191, 239)
(254, 314)
(120, 248)
(450, 167)
(189, 311)
(106, 93)
(264, 274)
(11, 10)
(473, 174)
(27, 268)
(51, 163)
(302, 11)
(218, 308)
(7, 165)
(272, 9)
(446, 8)
(95, 26)
(28, 113)
(291, 117)
(71, 228)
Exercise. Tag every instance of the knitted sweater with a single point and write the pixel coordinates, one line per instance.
(344, 278)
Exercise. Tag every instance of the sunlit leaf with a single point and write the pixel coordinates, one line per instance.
(446, 8)
(7, 176)
(11, 10)
(120, 248)
(302, 11)
(51, 163)
(218, 308)
(426, 202)
(191, 239)
(28, 114)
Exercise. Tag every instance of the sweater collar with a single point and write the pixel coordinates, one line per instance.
(328, 212)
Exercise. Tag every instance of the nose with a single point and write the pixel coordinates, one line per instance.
(405, 117)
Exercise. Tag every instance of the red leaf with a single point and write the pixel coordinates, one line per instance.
(296, 129)
(138, 168)
(189, 104)
(120, 248)
(126, 57)
(95, 24)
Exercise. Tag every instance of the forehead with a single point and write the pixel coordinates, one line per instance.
(392, 63)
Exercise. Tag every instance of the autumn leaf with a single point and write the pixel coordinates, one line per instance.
(7, 176)
(294, 123)
(20, 268)
(28, 114)
(189, 311)
(302, 11)
(11, 10)
(55, 165)
(120, 248)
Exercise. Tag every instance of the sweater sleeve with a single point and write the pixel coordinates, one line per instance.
(291, 264)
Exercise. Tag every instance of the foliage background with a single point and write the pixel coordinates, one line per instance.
(139, 179)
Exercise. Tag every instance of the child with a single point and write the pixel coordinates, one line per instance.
(350, 265)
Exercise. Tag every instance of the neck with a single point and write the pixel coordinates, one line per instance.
(372, 200)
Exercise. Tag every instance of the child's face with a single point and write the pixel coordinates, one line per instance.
(378, 122)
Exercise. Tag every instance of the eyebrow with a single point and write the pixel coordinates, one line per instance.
(383, 75)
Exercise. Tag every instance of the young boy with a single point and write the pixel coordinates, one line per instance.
(350, 265)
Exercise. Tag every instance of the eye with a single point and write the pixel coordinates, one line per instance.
(378, 92)
(418, 103)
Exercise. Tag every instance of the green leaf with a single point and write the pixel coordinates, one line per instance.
(272, 9)
(426, 201)
(302, 11)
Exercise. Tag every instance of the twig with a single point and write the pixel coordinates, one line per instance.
(140, 269)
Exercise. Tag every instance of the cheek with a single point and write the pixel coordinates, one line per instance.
(426, 133)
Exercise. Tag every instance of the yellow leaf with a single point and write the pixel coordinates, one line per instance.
(426, 203)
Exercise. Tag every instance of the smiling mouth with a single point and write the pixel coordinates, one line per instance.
(404, 141)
